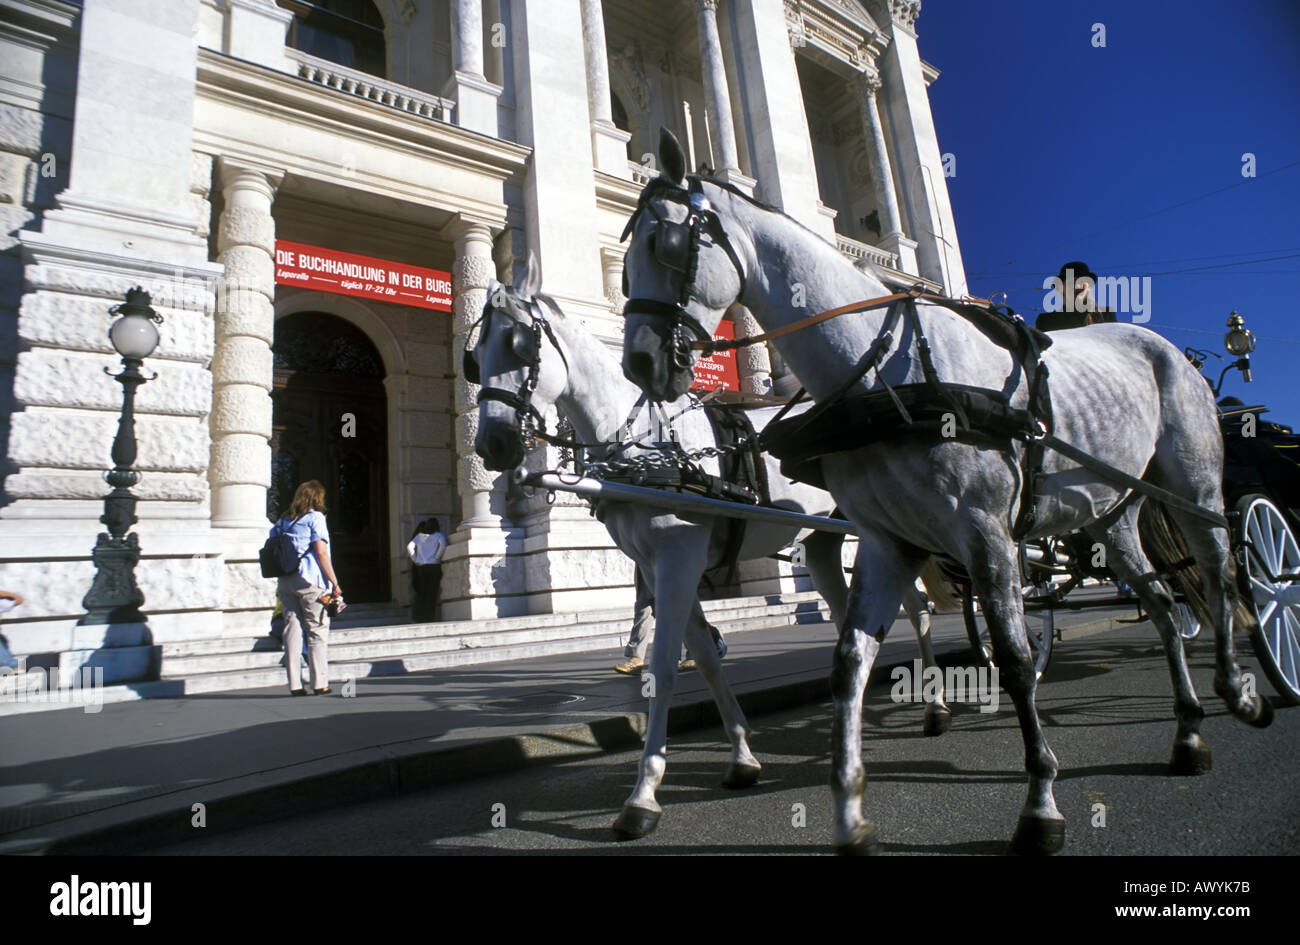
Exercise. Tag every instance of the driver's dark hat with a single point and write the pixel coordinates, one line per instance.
(1081, 271)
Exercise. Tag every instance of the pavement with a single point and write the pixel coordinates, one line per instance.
(137, 775)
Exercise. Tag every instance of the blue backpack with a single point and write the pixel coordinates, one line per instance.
(278, 557)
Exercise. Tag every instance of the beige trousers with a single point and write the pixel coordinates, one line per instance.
(304, 613)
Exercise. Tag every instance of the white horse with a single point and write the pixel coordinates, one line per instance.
(583, 379)
(1119, 392)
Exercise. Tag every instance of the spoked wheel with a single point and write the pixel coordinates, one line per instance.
(1039, 626)
(1272, 554)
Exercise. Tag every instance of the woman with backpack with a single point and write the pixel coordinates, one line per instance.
(306, 593)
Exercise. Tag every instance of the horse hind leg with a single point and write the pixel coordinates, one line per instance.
(1041, 828)
(1210, 548)
(744, 769)
(938, 717)
(1125, 557)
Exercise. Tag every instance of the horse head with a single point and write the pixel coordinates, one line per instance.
(682, 271)
(518, 384)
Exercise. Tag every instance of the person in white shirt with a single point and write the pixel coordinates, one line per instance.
(425, 549)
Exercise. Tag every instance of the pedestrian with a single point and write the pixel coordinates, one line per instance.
(8, 601)
(425, 549)
(643, 619)
(305, 594)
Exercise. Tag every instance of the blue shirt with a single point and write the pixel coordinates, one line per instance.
(311, 527)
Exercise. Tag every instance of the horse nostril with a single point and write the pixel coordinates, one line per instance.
(638, 366)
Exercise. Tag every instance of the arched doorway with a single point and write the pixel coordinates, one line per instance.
(330, 423)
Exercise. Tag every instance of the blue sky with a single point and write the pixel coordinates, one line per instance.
(1129, 157)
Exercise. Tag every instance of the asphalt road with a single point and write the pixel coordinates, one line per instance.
(1106, 707)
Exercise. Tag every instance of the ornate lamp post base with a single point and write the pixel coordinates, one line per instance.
(114, 596)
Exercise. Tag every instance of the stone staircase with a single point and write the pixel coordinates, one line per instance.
(370, 641)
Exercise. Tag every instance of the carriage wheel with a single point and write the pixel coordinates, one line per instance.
(1272, 549)
(1040, 633)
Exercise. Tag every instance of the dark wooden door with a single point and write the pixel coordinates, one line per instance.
(330, 424)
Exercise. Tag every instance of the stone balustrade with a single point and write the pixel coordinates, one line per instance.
(855, 250)
(331, 75)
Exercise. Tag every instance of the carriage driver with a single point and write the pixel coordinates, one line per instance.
(1077, 284)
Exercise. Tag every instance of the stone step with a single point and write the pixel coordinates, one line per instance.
(733, 620)
(793, 609)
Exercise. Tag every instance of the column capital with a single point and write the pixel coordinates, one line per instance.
(238, 174)
(467, 229)
(869, 78)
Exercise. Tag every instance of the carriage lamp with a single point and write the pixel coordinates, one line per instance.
(1240, 341)
(114, 595)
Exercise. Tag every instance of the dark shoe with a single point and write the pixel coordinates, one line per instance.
(297, 692)
(321, 692)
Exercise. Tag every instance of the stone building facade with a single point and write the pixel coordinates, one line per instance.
(172, 143)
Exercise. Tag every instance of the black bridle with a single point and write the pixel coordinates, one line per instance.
(677, 247)
(526, 344)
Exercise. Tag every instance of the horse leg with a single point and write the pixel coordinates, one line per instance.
(870, 613)
(826, 568)
(938, 717)
(1209, 546)
(1041, 828)
(744, 769)
(675, 593)
(1125, 557)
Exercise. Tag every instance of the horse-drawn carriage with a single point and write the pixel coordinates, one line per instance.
(1023, 463)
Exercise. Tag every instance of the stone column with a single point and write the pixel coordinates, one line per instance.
(883, 173)
(752, 362)
(240, 471)
(608, 143)
(926, 208)
(778, 129)
(611, 267)
(476, 97)
(471, 273)
(716, 94)
(481, 577)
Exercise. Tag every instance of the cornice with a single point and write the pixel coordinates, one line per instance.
(293, 100)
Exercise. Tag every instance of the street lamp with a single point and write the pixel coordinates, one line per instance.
(114, 596)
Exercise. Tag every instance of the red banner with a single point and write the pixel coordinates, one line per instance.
(719, 368)
(328, 270)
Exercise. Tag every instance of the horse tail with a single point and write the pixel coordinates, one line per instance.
(936, 587)
(1169, 554)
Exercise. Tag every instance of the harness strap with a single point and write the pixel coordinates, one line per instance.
(1162, 496)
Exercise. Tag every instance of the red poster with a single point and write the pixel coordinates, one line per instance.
(719, 369)
(328, 270)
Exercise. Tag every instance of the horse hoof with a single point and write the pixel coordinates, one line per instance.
(741, 776)
(1265, 717)
(636, 822)
(1192, 759)
(937, 722)
(865, 842)
(1038, 836)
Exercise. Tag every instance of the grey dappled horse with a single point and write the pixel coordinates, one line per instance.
(1119, 392)
(584, 381)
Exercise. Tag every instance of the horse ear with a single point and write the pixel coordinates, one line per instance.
(531, 283)
(671, 156)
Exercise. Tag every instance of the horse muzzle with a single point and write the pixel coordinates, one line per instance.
(651, 362)
(499, 445)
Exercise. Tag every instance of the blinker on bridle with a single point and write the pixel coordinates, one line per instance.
(677, 247)
(526, 345)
